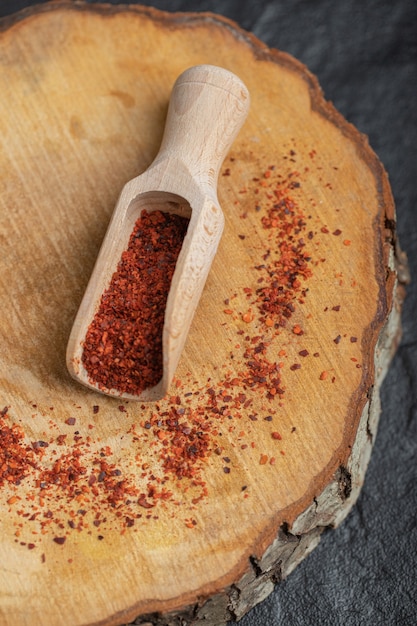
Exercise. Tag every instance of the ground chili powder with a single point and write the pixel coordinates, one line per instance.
(123, 345)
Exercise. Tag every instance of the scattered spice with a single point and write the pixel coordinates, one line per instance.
(16, 458)
(78, 487)
(123, 345)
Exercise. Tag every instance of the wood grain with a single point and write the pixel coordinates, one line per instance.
(84, 97)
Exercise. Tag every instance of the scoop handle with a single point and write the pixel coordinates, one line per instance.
(207, 108)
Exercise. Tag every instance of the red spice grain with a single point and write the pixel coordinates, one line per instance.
(123, 345)
(17, 459)
(248, 316)
(60, 540)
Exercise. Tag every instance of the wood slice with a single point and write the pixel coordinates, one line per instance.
(188, 510)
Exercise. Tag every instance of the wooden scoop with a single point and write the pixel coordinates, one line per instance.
(208, 106)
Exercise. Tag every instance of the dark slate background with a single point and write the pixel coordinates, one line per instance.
(364, 53)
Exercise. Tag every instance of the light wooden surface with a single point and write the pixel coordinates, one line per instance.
(84, 94)
(207, 108)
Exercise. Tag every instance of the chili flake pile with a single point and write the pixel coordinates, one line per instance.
(123, 345)
(16, 459)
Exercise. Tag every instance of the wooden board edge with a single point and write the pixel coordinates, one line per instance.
(290, 546)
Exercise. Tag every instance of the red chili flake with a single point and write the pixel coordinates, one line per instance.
(263, 459)
(324, 375)
(143, 502)
(347, 242)
(96, 408)
(37, 445)
(60, 540)
(337, 232)
(353, 339)
(190, 523)
(304, 353)
(336, 308)
(276, 435)
(17, 460)
(248, 316)
(123, 345)
(295, 366)
(70, 421)
(297, 330)
(337, 339)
